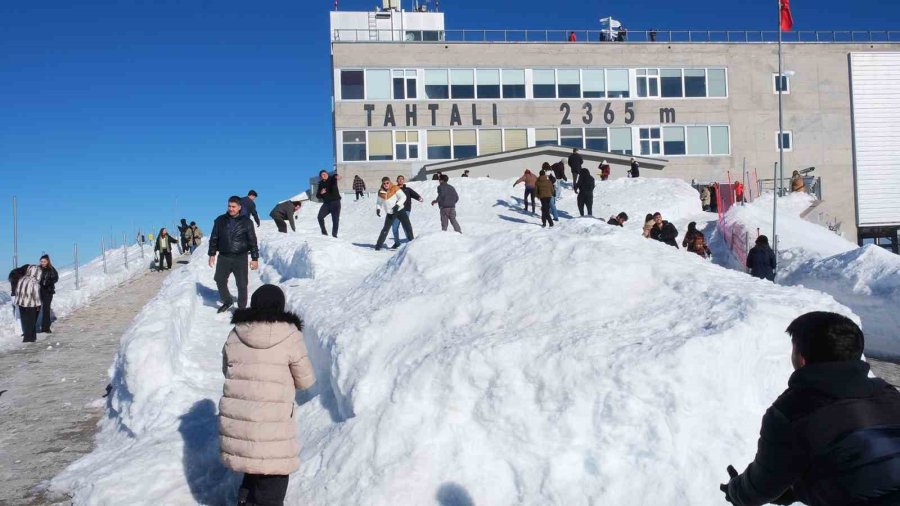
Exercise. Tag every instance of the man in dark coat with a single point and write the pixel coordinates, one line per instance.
(761, 259)
(248, 206)
(664, 231)
(618, 220)
(233, 237)
(635, 169)
(49, 278)
(407, 208)
(575, 163)
(284, 212)
(584, 187)
(446, 200)
(559, 170)
(833, 437)
(330, 195)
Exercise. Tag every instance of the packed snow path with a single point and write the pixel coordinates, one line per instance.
(52, 391)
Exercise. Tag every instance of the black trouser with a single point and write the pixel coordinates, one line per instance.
(264, 489)
(29, 316)
(389, 220)
(281, 224)
(334, 209)
(529, 191)
(358, 194)
(167, 256)
(575, 176)
(545, 211)
(46, 300)
(226, 266)
(585, 199)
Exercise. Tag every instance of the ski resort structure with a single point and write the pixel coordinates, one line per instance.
(412, 98)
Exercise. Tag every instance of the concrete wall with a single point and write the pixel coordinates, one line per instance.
(817, 110)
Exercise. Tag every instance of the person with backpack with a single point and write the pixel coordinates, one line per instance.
(544, 190)
(359, 187)
(575, 164)
(391, 199)
(604, 170)
(25, 283)
(283, 212)
(530, 180)
(446, 201)
(663, 231)
(328, 193)
(584, 187)
(233, 237)
(264, 361)
(832, 437)
(49, 278)
(618, 220)
(248, 206)
(407, 209)
(761, 259)
(196, 235)
(164, 247)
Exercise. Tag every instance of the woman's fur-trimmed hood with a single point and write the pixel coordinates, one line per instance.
(263, 329)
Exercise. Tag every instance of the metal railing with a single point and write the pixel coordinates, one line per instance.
(605, 36)
(812, 185)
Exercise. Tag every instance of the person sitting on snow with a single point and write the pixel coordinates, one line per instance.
(663, 231)
(618, 220)
(833, 437)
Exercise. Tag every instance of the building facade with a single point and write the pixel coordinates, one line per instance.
(404, 101)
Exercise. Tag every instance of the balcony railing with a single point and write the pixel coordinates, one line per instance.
(604, 36)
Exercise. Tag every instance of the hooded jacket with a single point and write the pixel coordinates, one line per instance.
(390, 199)
(761, 262)
(264, 361)
(705, 196)
(543, 188)
(528, 178)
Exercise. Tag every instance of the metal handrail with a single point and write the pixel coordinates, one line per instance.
(812, 185)
(596, 36)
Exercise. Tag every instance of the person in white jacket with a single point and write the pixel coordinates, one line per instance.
(390, 203)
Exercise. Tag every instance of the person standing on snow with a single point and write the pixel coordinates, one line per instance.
(663, 231)
(25, 283)
(164, 247)
(328, 192)
(530, 180)
(738, 192)
(705, 197)
(446, 201)
(264, 362)
(831, 438)
(604, 170)
(544, 190)
(559, 170)
(797, 183)
(197, 236)
(761, 259)
(407, 209)
(49, 278)
(635, 169)
(584, 187)
(575, 164)
(233, 237)
(390, 202)
(248, 206)
(283, 213)
(359, 186)
(618, 220)
(556, 190)
(184, 236)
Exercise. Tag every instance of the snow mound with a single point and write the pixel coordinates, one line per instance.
(511, 364)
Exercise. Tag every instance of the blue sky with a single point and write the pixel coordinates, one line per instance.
(118, 114)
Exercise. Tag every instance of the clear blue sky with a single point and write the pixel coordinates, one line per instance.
(113, 110)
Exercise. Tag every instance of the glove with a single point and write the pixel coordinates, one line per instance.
(395, 210)
(378, 212)
(732, 474)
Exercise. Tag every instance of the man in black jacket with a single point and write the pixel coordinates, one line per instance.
(635, 169)
(833, 437)
(283, 213)
(49, 278)
(248, 206)
(407, 208)
(330, 195)
(584, 187)
(233, 237)
(575, 163)
(664, 231)
(761, 259)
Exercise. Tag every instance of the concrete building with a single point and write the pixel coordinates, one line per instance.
(409, 97)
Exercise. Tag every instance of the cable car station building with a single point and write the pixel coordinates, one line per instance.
(411, 98)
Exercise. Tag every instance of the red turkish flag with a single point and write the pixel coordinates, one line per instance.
(787, 21)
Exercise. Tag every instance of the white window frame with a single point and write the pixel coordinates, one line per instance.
(366, 144)
(339, 92)
(787, 79)
(790, 135)
(646, 77)
(406, 143)
(651, 140)
(405, 79)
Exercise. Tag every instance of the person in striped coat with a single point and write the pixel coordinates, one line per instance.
(27, 291)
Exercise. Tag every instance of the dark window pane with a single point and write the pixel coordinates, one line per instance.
(488, 91)
(410, 88)
(674, 147)
(622, 151)
(462, 91)
(352, 85)
(671, 86)
(544, 91)
(399, 89)
(618, 94)
(694, 86)
(642, 86)
(645, 147)
(597, 144)
(438, 152)
(401, 151)
(413, 151)
(437, 91)
(569, 91)
(654, 88)
(593, 94)
(513, 91)
(354, 152)
(464, 151)
(545, 143)
(381, 157)
(431, 36)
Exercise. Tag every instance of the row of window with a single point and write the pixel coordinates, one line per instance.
(360, 145)
(443, 84)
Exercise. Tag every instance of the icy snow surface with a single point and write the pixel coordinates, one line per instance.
(67, 299)
(581, 364)
(865, 279)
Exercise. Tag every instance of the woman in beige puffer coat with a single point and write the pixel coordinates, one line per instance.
(264, 362)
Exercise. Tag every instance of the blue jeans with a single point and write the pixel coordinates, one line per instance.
(395, 227)
(553, 211)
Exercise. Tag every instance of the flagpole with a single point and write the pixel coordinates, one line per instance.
(780, 185)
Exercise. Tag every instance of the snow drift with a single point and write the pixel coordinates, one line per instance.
(512, 364)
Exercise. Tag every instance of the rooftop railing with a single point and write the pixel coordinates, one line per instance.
(605, 36)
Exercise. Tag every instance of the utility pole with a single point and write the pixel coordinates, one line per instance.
(15, 234)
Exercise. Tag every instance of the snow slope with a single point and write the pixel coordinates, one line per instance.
(865, 279)
(67, 299)
(509, 365)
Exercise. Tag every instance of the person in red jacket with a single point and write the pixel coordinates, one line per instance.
(572, 37)
(739, 192)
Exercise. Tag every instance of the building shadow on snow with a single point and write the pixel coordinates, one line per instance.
(210, 482)
(453, 494)
(210, 296)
